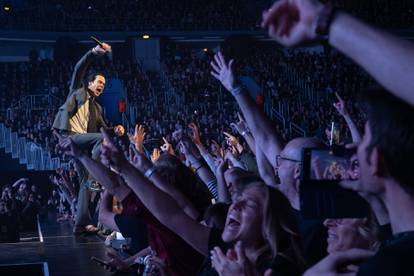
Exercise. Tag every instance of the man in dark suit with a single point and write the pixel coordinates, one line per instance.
(81, 118)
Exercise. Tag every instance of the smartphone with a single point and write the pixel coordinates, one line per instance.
(321, 196)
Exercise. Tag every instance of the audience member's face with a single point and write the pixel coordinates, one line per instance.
(343, 234)
(97, 86)
(244, 218)
(287, 169)
(368, 164)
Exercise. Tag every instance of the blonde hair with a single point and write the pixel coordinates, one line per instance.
(279, 226)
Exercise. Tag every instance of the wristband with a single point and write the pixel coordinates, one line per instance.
(325, 19)
(149, 172)
(199, 167)
(236, 91)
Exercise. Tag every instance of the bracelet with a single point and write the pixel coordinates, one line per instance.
(325, 19)
(199, 167)
(236, 91)
(149, 172)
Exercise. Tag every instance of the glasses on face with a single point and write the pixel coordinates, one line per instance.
(279, 159)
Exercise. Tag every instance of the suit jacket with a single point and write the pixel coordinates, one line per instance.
(78, 94)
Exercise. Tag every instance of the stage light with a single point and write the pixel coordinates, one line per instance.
(6, 8)
(205, 50)
(145, 36)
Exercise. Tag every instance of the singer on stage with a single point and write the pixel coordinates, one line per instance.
(81, 118)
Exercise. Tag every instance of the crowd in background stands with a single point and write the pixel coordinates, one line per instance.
(204, 102)
(109, 15)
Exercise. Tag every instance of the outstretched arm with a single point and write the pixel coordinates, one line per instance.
(111, 181)
(243, 130)
(266, 171)
(82, 65)
(261, 127)
(161, 205)
(106, 216)
(145, 166)
(340, 107)
(390, 60)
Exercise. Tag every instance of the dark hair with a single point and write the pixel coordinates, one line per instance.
(391, 123)
(185, 180)
(92, 76)
(216, 215)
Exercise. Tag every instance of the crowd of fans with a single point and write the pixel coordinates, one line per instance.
(234, 206)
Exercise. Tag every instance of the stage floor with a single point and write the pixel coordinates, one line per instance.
(65, 254)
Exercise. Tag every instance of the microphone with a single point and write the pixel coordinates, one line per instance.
(97, 41)
(100, 43)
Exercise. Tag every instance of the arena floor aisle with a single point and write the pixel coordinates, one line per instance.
(64, 253)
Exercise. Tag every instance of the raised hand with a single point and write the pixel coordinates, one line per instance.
(195, 134)
(67, 146)
(340, 106)
(138, 138)
(292, 22)
(234, 143)
(155, 155)
(101, 50)
(138, 160)
(110, 154)
(241, 125)
(167, 147)
(231, 140)
(223, 71)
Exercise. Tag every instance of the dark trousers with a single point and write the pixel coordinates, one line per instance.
(90, 142)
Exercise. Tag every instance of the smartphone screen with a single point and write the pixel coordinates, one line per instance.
(327, 166)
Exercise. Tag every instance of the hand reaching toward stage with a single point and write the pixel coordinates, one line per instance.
(292, 22)
(67, 146)
(223, 71)
(138, 138)
(111, 155)
(138, 160)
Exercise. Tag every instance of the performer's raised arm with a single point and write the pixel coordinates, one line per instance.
(83, 64)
